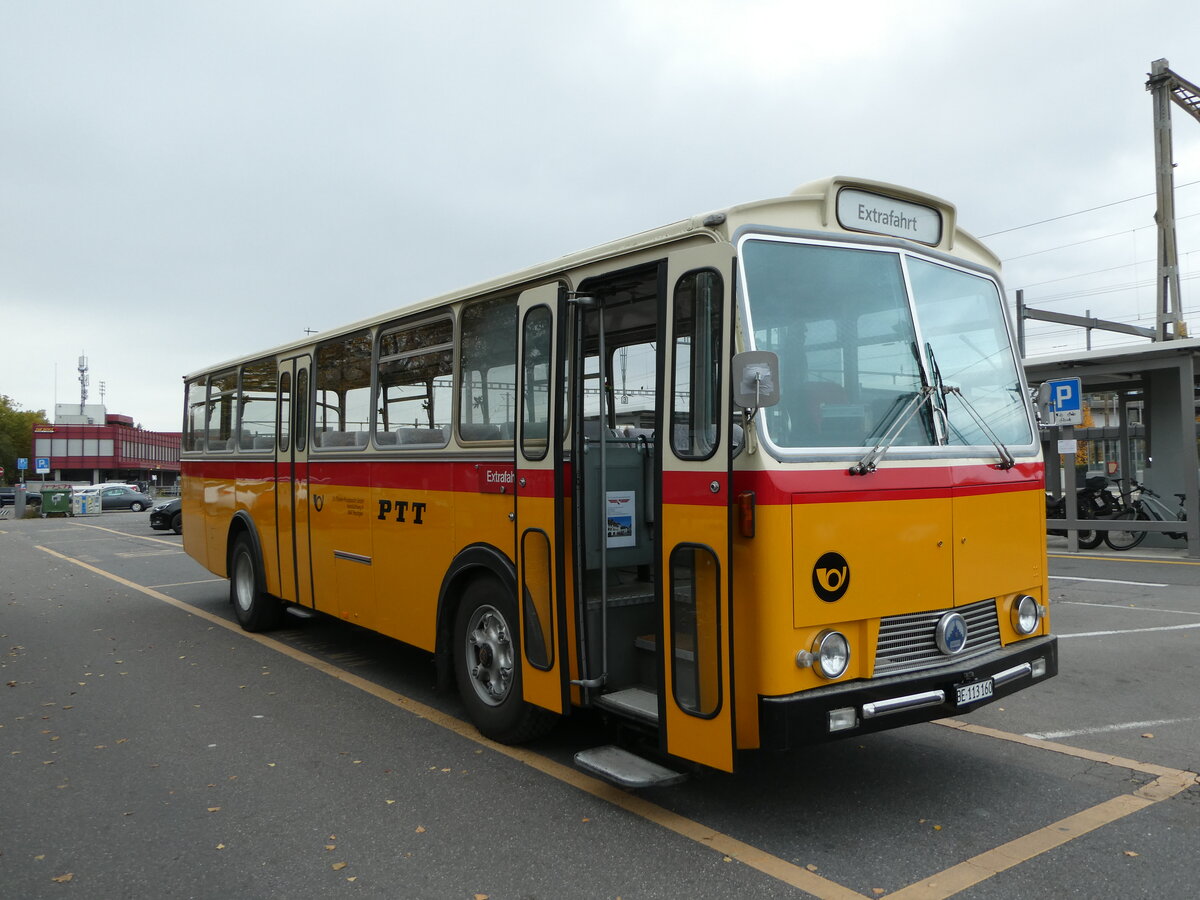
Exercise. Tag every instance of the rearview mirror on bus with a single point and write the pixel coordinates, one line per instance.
(755, 379)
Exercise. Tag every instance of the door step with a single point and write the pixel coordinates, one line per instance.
(625, 769)
(635, 702)
(299, 612)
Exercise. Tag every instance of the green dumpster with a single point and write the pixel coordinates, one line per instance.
(56, 502)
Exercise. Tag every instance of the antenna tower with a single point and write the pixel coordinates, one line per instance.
(83, 384)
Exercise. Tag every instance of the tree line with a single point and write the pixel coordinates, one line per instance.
(16, 435)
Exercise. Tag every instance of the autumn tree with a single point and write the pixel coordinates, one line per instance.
(16, 435)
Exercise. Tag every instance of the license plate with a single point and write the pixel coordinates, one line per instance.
(970, 693)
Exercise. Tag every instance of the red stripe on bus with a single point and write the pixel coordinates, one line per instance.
(839, 486)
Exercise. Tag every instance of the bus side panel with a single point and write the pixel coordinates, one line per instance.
(762, 598)
(209, 495)
(191, 492)
(340, 537)
(422, 514)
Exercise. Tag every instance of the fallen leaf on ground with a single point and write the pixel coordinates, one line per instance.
(63, 879)
(420, 829)
(1131, 853)
(337, 867)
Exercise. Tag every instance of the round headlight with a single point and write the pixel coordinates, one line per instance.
(832, 652)
(1025, 615)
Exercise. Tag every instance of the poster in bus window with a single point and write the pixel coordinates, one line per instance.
(622, 523)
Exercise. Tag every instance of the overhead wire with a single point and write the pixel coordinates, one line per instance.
(1079, 212)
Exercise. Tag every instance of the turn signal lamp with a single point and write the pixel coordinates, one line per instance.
(745, 513)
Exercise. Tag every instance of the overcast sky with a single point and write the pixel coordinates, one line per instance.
(184, 182)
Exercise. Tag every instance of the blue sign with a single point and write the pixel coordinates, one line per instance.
(1066, 401)
(22, 463)
(41, 465)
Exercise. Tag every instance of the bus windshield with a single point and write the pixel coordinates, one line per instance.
(842, 321)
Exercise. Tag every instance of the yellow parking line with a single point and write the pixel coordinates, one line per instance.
(1141, 559)
(1167, 784)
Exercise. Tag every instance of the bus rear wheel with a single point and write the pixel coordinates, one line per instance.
(487, 666)
(256, 610)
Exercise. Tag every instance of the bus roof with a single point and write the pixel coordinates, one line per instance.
(837, 204)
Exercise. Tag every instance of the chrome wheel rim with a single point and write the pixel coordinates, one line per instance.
(243, 582)
(489, 655)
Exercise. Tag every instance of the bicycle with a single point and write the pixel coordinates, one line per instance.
(1147, 506)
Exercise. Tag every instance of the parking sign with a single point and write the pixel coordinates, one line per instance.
(41, 465)
(1066, 401)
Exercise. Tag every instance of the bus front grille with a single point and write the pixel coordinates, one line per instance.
(907, 642)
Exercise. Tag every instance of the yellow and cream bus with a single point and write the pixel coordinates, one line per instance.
(763, 477)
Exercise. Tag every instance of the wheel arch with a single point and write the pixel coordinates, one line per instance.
(472, 562)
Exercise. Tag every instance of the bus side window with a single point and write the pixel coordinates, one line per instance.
(415, 371)
(343, 392)
(487, 407)
(256, 405)
(695, 397)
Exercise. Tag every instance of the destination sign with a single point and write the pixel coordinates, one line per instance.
(865, 211)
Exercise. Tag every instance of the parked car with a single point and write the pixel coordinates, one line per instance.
(124, 498)
(168, 515)
(8, 497)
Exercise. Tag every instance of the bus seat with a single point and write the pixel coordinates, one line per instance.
(416, 435)
(472, 431)
(335, 439)
(386, 438)
(264, 441)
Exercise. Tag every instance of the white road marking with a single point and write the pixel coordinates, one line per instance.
(1130, 631)
(1178, 612)
(1106, 581)
(1103, 729)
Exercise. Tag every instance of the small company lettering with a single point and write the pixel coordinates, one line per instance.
(401, 509)
(496, 479)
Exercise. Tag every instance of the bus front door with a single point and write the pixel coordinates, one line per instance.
(694, 510)
(539, 487)
(291, 482)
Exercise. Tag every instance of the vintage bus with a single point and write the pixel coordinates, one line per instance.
(763, 477)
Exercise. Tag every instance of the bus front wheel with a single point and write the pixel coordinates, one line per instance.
(256, 610)
(487, 665)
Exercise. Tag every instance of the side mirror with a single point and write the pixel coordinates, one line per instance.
(755, 377)
(1042, 402)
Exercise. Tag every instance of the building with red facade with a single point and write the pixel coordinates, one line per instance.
(114, 451)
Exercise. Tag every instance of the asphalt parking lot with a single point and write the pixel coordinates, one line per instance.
(152, 749)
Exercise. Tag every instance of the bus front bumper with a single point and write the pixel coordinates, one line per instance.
(859, 707)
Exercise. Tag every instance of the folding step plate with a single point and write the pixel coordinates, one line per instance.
(624, 769)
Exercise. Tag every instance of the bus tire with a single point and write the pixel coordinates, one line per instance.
(256, 610)
(487, 665)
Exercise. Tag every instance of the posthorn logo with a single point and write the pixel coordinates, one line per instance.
(831, 577)
(319, 501)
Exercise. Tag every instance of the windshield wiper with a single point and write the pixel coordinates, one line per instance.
(944, 390)
(1006, 458)
(896, 424)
